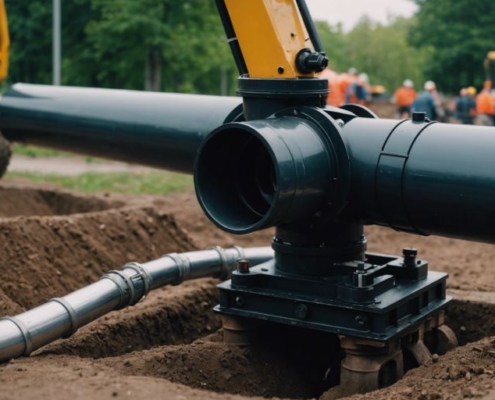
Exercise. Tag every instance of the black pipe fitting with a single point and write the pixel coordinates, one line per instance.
(308, 61)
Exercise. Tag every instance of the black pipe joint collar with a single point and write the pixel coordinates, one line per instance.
(308, 61)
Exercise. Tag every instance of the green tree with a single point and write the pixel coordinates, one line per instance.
(460, 32)
(384, 53)
(158, 44)
(334, 42)
(147, 44)
(79, 63)
(30, 30)
(30, 27)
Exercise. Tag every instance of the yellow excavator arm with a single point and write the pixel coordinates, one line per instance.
(4, 42)
(270, 38)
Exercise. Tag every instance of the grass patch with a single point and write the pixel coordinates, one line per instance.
(37, 152)
(43, 152)
(122, 182)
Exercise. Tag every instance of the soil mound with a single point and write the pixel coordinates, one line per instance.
(28, 202)
(44, 257)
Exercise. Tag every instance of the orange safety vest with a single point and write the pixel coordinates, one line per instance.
(485, 104)
(344, 82)
(335, 96)
(405, 96)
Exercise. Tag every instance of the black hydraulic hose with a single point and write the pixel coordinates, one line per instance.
(231, 37)
(310, 26)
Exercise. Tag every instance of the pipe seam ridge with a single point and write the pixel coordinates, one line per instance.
(125, 286)
(183, 266)
(72, 315)
(26, 335)
(240, 251)
(225, 271)
(145, 277)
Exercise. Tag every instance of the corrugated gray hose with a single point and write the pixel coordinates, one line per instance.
(61, 317)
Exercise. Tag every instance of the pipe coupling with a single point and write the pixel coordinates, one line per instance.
(129, 296)
(71, 312)
(225, 270)
(183, 267)
(141, 273)
(26, 335)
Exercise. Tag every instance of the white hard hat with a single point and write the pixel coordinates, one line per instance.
(363, 77)
(430, 85)
(408, 83)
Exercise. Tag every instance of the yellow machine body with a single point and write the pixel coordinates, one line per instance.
(270, 33)
(4, 42)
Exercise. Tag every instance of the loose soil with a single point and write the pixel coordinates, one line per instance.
(170, 346)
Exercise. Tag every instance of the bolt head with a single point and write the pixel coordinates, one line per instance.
(409, 252)
(243, 266)
(301, 311)
(360, 320)
(240, 301)
(418, 116)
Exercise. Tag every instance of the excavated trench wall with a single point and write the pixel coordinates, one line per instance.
(55, 242)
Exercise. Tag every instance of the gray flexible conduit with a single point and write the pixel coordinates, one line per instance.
(61, 317)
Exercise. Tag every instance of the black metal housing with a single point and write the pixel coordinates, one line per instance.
(381, 299)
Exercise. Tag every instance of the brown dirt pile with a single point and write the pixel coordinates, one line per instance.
(44, 257)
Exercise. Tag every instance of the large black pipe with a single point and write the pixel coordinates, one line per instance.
(424, 178)
(162, 130)
(421, 177)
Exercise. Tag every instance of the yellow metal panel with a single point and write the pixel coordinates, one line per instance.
(270, 34)
(4, 42)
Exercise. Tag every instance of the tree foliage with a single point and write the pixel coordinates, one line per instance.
(124, 44)
(176, 39)
(30, 36)
(382, 51)
(180, 46)
(459, 33)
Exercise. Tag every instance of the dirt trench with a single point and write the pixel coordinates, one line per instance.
(170, 346)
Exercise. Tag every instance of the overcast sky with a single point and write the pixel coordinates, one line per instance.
(348, 12)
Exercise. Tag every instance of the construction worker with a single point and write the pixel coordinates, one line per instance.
(429, 102)
(471, 91)
(358, 92)
(334, 98)
(347, 79)
(465, 107)
(485, 106)
(404, 97)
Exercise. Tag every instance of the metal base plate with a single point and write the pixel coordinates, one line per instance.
(381, 299)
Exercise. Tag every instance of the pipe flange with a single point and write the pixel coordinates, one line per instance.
(25, 334)
(72, 315)
(145, 277)
(183, 266)
(330, 133)
(125, 285)
(225, 271)
(240, 252)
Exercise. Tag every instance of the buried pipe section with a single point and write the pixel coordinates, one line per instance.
(61, 317)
